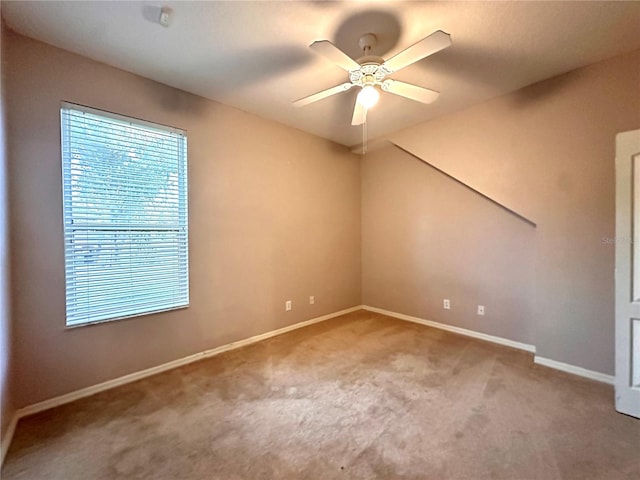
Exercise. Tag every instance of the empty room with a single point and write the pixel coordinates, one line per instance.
(319, 240)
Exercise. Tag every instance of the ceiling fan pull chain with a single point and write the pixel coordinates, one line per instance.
(364, 134)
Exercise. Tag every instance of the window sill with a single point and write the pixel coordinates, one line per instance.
(128, 317)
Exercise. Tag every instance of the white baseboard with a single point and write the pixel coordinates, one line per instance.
(7, 436)
(582, 372)
(450, 328)
(565, 367)
(132, 377)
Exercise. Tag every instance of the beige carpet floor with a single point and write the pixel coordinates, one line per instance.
(361, 396)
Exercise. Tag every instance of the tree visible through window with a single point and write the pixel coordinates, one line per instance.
(125, 216)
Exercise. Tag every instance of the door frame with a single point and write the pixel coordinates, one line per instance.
(627, 294)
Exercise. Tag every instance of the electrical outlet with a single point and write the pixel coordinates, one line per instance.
(312, 300)
(446, 304)
(480, 309)
(287, 305)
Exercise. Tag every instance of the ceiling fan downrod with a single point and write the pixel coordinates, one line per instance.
(367, 42)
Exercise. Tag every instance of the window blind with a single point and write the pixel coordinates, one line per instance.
(125, 216)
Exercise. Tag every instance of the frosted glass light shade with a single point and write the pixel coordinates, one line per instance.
(368, 96)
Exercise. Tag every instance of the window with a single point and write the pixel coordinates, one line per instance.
(125, 216)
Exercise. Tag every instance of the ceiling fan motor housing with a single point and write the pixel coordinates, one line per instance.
(370, 73)
(372, 70)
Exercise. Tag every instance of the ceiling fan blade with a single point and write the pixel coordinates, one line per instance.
(333, 53)
(427, 46)
(359, 114)
(419, 94)
(323, 94)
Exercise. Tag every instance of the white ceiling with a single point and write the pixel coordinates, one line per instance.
(254, 55)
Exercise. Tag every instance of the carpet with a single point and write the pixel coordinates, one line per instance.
(362, 396)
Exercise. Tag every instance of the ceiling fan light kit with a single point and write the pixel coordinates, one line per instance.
(370, 72)
(368, 96)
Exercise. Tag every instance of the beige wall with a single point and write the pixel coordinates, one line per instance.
(6, 391)
(426, 237)
(274, 215)
(546, 151)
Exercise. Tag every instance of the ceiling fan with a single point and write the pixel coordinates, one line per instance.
(370, 71)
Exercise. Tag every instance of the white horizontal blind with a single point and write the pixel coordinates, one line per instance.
(125, 216)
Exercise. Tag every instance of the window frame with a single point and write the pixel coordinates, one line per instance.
(183, 192)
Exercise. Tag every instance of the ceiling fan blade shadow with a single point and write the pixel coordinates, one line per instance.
(386, 26)
(435, 42)
(323, 94)
(250, 67)
(334, 54)
(472, 64)
(359, 114)
(407, 90)
(481, 67)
